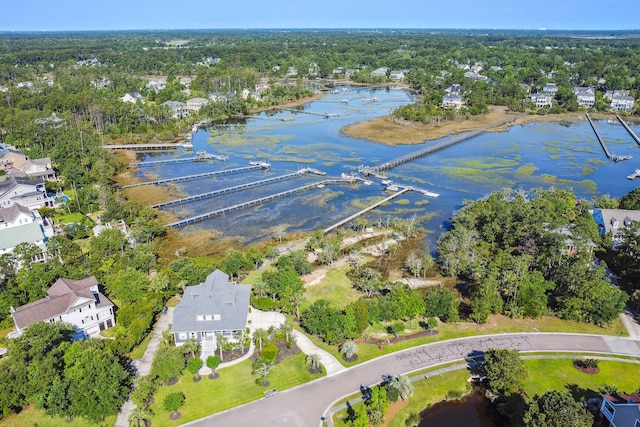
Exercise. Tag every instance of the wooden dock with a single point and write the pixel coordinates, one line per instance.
(149, 147)
(229, 190)
(313, 113)
(367, 209)
(631, 132)
(223, 211)
(197, 176)
(181, 160)
(595, 131)
(375, 170)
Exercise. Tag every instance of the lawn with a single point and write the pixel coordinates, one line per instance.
(31, 417)
(565, 377)
(335, 287)
(235, 386)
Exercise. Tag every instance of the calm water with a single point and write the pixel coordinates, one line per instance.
(472, 410)
(532, 155)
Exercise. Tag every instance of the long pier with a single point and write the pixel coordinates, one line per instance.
(373, 170)
(259, 201)
(367, 209)
(631, 132)
(181, 160)
(313, 113)
(604, 147)
(197, 176)
(229, 190)
(149, 147)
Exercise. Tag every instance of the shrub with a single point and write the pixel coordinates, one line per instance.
(269, 353)
(173, 401)
(264, 303)
(145, 388)
(432, 323)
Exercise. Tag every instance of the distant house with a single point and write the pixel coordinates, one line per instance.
(246, 93)
(314, 69)
(33, 168)
(586, 96)
(179, 109)
(24, 191)
(526, 88)
(614, 221)
(451, 100)
(620, 100)
(11, 158)
(101, 83)
(349, 72)
(18, 225)
(157, 84)
(25, 85)
(621, 410)
(454, 90)
(397, 75)
(476, 76)
(541, 99)
(77, 302)
(380, 72)
(185, 81)
(52, 120)
(337, 70)
(195, 104)
(261, 87)
(215, 307)
(550, 89)
(132, 97)
(292, 71)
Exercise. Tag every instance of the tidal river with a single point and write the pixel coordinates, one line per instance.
(538, 154)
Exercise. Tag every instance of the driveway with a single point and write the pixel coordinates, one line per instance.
(306, 404)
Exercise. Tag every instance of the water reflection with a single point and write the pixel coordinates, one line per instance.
(473, 410)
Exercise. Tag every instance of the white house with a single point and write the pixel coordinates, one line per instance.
(178, 109)
(215, 307)
(451, 100)
(77, 302)
(586, 96)
(157, 84)
(35, 168)
(397, 75)
(18, 225)
(614, 221)
(29, 192)
(380, 72)
(542, 99)
(621, 410)
(620, 100)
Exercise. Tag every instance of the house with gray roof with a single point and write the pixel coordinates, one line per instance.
(615, 221)
(215, 307)
(29, 192)
(77, 302)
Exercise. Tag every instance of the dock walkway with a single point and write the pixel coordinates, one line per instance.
(197, 176)
(631, 132)
(223, 211)
(229, 190)
(148, 147)
(182, 160)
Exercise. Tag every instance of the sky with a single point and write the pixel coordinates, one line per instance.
(86, 15)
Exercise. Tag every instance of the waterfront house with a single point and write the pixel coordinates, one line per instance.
(178, 109)
(586, 96)
(620, 100)
(451, 100)
(195, 104)
(215, 307)
(541, 100)
(397, 75)
(621, 410)
(615, 221)
(77, 302)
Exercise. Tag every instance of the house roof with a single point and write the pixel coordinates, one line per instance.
(216, 296)
(627, 409)
(8, 215)
(27, 233)
(606, 218)
(12, 182)
(63, 295)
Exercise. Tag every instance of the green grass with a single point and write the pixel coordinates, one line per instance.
(77, 218)
(335, 287)
(564, 377)
(31, 417)
(235, 386)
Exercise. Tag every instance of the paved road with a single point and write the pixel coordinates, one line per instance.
(305, 404)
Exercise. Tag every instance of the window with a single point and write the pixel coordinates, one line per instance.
(182, 336)
(216, 317)
(208, 317)
(199, 317)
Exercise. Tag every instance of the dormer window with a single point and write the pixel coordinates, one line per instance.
(217, 317)
(199, 317)
(615, 223)
(208, 317)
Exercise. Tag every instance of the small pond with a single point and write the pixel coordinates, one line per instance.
(473, 410)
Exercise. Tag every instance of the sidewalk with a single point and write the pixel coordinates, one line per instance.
(143, 365)
(331, 364)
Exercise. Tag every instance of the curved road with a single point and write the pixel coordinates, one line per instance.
(305, 404)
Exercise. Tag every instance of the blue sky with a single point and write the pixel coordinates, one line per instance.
(62, 15)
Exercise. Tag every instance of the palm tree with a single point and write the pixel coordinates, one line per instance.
(139, 415)
(263, 370)
(259, 335)
(403, 385)
(191, 346)
(313, 361)
(349, 349)
(221, 340)
(287, 328)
